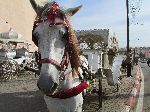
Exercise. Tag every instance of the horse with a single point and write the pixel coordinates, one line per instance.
(59, 75)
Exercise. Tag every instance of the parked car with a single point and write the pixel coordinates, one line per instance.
(143, 60)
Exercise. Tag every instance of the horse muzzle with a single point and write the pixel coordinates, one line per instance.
(47, 87)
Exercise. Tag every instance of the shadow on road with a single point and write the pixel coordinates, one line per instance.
(31, 101)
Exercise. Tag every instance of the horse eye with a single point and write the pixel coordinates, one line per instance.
(63, 33)
(64, 36)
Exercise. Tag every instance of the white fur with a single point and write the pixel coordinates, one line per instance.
(52, 46)
(73, 104)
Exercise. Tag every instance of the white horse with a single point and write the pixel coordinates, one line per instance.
(57, 44)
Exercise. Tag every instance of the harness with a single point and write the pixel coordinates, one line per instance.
(50, 16)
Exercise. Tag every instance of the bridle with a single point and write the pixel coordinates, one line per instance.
(62, 66)
(50, 16)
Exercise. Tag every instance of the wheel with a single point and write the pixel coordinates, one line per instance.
(9, 69)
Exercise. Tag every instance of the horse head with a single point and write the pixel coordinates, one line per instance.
(57, 44)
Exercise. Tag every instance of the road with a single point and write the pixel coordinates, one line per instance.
(146, 101)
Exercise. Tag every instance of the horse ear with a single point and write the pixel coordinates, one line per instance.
(35, 6)
(72, 11)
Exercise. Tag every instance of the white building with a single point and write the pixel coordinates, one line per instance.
(94, 58)
(100, 46)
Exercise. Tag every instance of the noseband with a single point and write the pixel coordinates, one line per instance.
(63, 65)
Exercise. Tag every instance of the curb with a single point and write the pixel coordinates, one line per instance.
(135, 91)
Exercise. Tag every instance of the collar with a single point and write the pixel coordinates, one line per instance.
(68, 93)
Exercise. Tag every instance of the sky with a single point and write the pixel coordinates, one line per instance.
(111, 14)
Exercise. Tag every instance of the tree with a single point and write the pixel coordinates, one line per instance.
(93, 41)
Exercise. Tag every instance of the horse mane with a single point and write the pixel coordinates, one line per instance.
(72, 39)
(73, 49)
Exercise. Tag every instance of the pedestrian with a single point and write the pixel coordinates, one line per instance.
(136, 60)
(148, 62)
(94, 88)
(124, 65)
(129, 68)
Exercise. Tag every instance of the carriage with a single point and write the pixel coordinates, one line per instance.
(14, 55)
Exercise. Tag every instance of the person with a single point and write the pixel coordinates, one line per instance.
(94, 87)
(148, 62)
(124, 65)
(136, 61)
(129, 67)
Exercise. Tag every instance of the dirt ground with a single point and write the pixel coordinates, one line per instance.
(22, 95)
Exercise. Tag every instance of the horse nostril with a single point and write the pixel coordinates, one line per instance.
(38, 86)
(48, 89)
(54, 87)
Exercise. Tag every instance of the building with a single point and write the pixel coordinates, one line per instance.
(19, 15)
(100, 47)
(94, 58)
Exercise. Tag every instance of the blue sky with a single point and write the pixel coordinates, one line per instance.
(111, 14)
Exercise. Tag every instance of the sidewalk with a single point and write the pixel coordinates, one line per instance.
(118, 101)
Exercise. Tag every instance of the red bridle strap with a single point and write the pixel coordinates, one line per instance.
(51, 16)
(63, 65)
(48, 60)
(67, 93)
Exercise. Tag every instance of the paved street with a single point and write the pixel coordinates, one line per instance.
(146, 73)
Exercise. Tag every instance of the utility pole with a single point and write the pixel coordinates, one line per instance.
(128, 49)
(127, 6)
